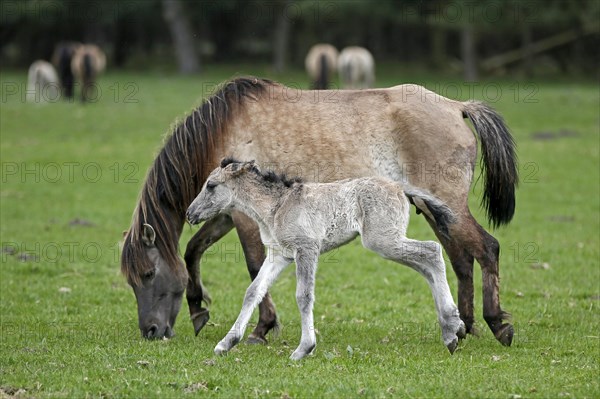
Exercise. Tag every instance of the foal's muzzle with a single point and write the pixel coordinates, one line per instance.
(191, 217)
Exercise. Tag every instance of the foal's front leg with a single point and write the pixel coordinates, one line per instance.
(306, 268)
(273, 265)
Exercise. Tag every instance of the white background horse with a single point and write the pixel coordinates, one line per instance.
(356, 67)
(43, 84)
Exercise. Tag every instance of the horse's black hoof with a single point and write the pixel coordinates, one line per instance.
(199, 320)
(470, 327)
(505, 334)
(462, 332)
(256, 340)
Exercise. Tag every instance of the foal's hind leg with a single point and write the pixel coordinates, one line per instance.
(254, 252)
(210, 232)
(426, 258)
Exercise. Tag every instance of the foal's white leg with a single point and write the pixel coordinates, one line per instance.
(272, 266)
(306, 268)
(426, 258)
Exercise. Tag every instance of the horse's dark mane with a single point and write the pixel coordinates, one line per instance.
(178, 173)
(268, 176)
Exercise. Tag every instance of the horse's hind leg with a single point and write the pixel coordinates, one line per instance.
(486, 250)
(468, 235)
(426, 258)
(462, 264)
(210, 232)
(254, 252)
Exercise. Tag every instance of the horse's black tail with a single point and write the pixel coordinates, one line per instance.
(322, 82)
(499, 162)
(64, 70)
(88, 68)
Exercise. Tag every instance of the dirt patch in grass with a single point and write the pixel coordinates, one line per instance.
(11, 392)
(548, 135)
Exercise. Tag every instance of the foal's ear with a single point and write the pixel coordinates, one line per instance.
(238, 168)
(250, 166)
(148, 235)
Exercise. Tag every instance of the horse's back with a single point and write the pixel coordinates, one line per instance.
(402, 133)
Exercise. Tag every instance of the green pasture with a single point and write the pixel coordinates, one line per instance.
(71, 174)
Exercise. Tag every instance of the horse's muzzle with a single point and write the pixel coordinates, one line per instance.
(155, 332)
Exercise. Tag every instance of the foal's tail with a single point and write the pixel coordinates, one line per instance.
(434, 208)
(499, 162)
(88, 68)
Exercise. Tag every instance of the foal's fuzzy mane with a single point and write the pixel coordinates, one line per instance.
(268, 176)
(178, 173)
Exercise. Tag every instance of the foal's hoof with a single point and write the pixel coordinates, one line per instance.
(256, 340)
(199, 320)
(452, 345)
(505, 334)
(220, 351)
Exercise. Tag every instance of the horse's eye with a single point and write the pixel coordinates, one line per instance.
(149, 274)
(211, 185)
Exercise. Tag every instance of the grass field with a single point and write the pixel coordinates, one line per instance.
(70, 178)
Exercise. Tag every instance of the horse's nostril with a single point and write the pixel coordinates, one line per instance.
(169, 332)
(152, 331)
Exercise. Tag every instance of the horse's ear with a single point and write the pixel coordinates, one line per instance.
(148, 235)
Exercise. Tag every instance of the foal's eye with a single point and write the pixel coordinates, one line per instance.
(211, 185)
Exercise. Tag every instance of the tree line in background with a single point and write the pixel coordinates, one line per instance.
(489, 36)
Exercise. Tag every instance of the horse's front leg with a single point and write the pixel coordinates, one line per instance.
(306, 268)
(210, 232)
(269, 271)
(254, 251)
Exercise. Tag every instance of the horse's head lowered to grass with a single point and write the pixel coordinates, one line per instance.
(150, 257)
(159, 292)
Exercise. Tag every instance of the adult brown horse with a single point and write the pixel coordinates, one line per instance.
(320, 64)
(405, 133)
(87, 63)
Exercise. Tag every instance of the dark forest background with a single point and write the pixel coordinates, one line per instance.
(490, 37)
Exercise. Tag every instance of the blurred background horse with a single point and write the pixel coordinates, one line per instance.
(87, 63)
(42, 82)
(320, 63)
(356, 68)
(62, 57)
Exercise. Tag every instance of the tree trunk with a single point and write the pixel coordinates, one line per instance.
(281, 36)
(527, 50)
(469, 57)
(438, 47)
(183, 38)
